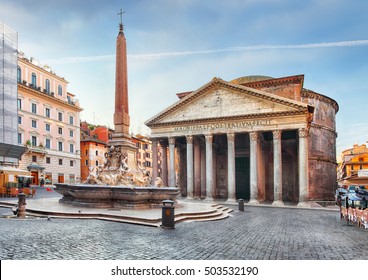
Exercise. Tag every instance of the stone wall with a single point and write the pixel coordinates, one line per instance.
(322, 146)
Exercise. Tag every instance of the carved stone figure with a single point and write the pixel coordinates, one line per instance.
(116, 171)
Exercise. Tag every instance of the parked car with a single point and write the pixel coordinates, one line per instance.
(356, 201)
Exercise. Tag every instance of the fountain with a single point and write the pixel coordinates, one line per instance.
(120, 182)
(116, 185)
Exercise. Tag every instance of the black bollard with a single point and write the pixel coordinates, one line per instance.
(241, 205)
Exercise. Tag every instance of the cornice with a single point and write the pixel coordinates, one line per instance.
(275, 81)
(49, 97)
(323, 127)
(30, 64)
(323, 159)
(307, 93)
(233, 118)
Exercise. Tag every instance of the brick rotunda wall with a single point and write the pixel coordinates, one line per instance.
(322, 146)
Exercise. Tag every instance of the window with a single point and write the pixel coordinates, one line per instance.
(60, 161)
(19, 75)
(34, 158)
(47, 112)
(71, 163)
(96, 153)
(20, 138)
(47, 86)
(71, 148)
(148, 164)
(87, 162)
(60, 130)
(19, 103)
(60, 90)
(71, 120)
(60, 146)
(48, 127)
(34, 80)
(96, 162)
(71, 133)
(19, 120)
(34, 124)
(48, 160)
(48, 144)
(60, 116)
(34, 141)
(34, 108)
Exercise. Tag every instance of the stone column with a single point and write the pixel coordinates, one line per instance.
(190, 167)
(172, 176)
(277, 169)
(197, 168)
(253, 136)
(164, 163)
(209, 168)
(303, 168)
(154, 161)
(203, 170)
(231, 168)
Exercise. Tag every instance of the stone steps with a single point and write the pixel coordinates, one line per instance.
(218, 213)
(212, 213)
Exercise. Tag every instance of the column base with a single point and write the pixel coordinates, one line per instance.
(278, 203)
(208, 199)
(304, 204)
(253, 201)
(231, 201)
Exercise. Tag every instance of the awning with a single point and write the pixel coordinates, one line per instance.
(14, 171)
(11, 151)
(34, 165)
(354, 180)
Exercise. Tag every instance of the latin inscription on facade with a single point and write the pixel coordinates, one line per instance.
(224, 125)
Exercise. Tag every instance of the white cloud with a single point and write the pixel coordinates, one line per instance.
(160, 55)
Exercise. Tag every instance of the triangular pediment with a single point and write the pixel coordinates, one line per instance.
(220, 100)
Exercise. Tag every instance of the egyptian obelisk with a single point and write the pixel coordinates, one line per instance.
(121, 137)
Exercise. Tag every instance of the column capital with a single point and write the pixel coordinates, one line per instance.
(276, 134)
(303, 132)
(189, 139)
(253, 135)
(231, 137)
(172, 140)
(209, 138)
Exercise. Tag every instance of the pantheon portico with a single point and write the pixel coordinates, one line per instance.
(257, 138)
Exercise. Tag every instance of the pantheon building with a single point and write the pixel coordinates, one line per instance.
(258, 138)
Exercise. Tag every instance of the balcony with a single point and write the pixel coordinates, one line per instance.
(36, 149)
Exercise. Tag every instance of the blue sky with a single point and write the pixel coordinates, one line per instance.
(176, 46)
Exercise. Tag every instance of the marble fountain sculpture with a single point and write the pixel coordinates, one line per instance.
(116, 185)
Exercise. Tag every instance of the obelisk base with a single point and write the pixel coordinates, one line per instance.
(127, 146)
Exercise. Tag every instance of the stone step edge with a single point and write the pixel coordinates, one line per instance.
(224, 213)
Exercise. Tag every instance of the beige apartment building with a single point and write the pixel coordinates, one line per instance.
(48, 124)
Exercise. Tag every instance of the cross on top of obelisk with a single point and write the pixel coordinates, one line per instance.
(121, 18)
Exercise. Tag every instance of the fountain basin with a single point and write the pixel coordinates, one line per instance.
(107, 196)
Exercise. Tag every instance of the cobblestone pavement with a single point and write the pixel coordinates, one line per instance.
(256, 234)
